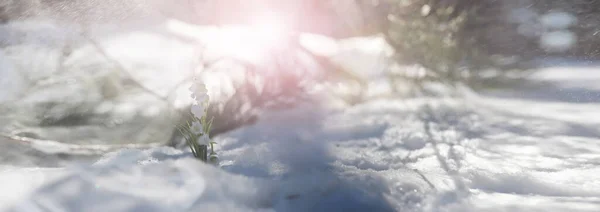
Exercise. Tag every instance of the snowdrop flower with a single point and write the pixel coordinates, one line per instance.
(198, 110)
(197, 128)
(199, 92)
(200, 95)
(204, 140)
(200, 140)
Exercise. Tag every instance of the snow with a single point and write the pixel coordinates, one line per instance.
(508, 157)
(534, 147)
(10, 80)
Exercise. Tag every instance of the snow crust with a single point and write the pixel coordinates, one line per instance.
(495, 154)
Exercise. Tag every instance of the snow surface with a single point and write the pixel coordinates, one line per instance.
(494, 154)
(533, 147)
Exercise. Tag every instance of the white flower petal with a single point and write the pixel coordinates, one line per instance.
(204, 140)
(201, 99)
(198, 87)
(196, 127)
(199, 92)
(198, 110)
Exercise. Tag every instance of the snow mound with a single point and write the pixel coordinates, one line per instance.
(160, 179)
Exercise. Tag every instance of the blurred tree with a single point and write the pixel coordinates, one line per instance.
(453, 40)
(435, 35)
(490, 33)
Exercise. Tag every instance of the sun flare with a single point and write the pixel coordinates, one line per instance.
(256, 41)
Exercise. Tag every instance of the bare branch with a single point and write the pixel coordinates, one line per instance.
(55, 147)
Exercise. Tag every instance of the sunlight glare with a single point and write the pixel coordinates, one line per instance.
(255, 42)
(269, 29)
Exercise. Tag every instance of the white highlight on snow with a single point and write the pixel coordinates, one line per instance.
(21, 182)
(12, 82)
(558, 41)
(374, 53)
(558, 20)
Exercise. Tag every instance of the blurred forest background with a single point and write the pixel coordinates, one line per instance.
(49, 94)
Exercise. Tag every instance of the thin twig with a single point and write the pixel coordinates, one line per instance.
(425, 178)
(404, 162)
(460, 185)
(122, 68)
(55, 147)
